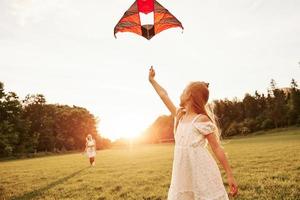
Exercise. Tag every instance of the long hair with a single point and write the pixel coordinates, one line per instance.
(197, 94)
(89, 137)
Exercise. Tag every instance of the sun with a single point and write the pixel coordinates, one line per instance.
(130, 128)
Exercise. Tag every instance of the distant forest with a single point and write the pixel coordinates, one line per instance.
(32, 125)
(280, 107)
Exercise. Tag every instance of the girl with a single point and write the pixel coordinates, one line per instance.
(90, 149)
(195, 174)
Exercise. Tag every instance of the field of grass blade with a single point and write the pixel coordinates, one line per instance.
(266, 166)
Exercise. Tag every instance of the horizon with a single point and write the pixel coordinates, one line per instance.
(136, 137)
(66, 51)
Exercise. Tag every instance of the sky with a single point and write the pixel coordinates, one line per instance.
(65, 49)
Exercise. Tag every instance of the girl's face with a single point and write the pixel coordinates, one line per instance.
(195, 94)
(185, 97)
(89, 137)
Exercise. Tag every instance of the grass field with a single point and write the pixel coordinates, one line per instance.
(266, 166)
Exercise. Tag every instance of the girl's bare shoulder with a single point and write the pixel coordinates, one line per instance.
(203, 118)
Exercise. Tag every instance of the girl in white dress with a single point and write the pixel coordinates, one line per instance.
(90, 149)
(195, 174)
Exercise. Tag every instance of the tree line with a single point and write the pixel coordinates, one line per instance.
(280, 107)
(31, 125)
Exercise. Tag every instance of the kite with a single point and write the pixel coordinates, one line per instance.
(131, 20)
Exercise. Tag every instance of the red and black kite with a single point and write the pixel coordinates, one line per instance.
(131, 21)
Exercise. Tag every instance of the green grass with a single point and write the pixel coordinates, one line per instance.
(266, 167)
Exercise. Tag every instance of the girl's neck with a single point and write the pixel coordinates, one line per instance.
(189, 111)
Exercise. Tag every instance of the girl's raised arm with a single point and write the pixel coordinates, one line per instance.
(162, 92)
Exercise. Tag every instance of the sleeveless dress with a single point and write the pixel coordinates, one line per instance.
(91, 152)
(195, 174)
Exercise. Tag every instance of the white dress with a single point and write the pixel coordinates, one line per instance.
(195, 174)
(91, 152)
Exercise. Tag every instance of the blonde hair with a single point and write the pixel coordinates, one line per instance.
(197, 93)
(89, 136)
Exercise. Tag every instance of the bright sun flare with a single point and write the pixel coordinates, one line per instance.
(122, 129)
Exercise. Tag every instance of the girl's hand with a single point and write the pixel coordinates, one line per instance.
(151, 74)
(233, 186)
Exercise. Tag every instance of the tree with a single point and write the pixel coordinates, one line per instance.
(32, 125)
(294, 104)
(33, 111)
(251, 106)
(12, 127)
(161, 129)
(277, 105)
